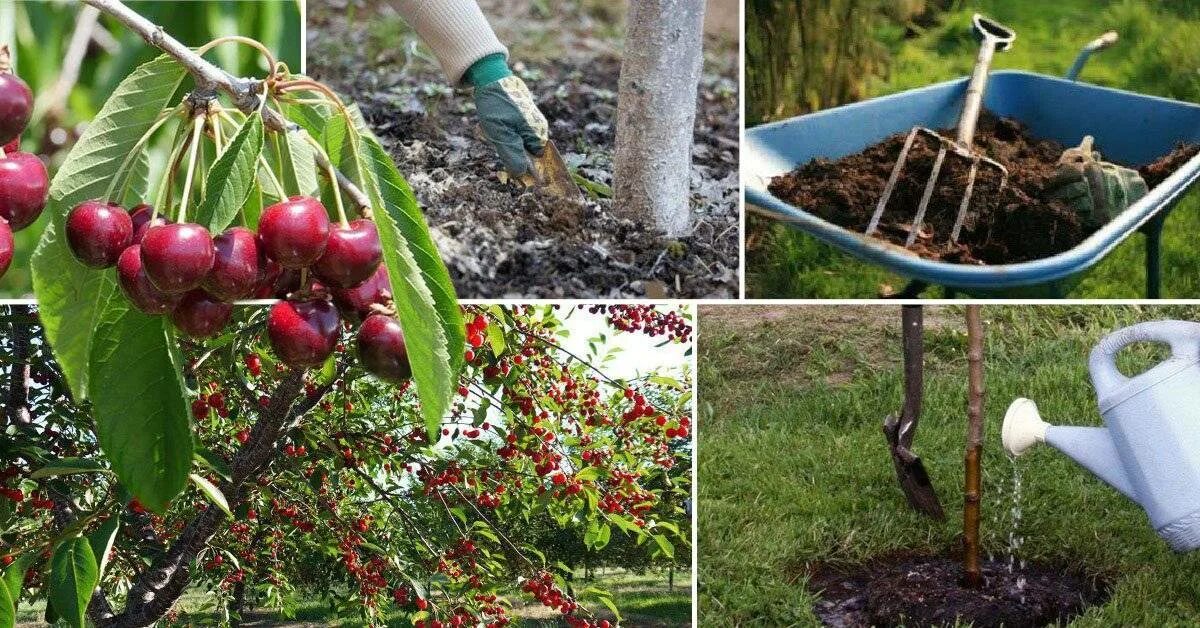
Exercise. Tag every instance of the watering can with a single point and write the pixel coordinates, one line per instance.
(1150, 447)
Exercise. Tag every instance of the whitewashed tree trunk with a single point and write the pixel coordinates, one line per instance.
(660, 75)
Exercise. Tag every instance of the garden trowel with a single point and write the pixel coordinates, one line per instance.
(550, 173)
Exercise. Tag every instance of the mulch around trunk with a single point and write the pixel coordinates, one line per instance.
(920, 589)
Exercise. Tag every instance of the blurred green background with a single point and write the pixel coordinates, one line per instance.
(40, 33)
(816, 54)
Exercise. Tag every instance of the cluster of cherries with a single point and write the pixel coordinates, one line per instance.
(646, 319)
(24, 184)
(181, 270)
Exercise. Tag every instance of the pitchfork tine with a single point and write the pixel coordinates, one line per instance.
(933, 175)
(966, 202)
(891, 184)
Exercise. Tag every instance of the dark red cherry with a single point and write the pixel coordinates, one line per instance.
(140, 216)
(97, 233)
(351, 255)
(177, 256)
(24, 186)
(235, 273)
(303, 333)
(294, 232)
(16, 105)
(355, 303)
(137, 287)
(382, 350)
(199, 315)
(12, 146)
(6, 247)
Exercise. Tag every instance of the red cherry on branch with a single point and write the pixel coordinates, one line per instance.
(177, 256)
(16, 106)
(294, 232)
(382, 350)
(137, 287)
(236, 266)
(303, 333)
(97, 233)
(24, 187)
(200, 315)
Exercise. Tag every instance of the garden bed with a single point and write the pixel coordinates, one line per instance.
(498, 239)
(1011, 225)
(914, 589)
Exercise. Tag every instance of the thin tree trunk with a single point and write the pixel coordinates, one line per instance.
(656, 113)
(910, 471)
(973, 489)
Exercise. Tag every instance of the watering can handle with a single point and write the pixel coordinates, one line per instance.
(1182, 336)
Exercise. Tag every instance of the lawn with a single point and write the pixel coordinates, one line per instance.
(645, 599)
(794, 468)
(1156, 55)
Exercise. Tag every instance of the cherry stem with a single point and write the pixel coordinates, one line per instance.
(197, 129)
(137, 149)
(331, 96)
(166, 186)
(218, 140)
(333, 181)
(262, 161)
(266, 53)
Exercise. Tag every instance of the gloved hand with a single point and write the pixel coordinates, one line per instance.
(1098, 190)
(510, 119)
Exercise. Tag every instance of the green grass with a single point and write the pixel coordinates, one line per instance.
(1156, 55)
(794, 468)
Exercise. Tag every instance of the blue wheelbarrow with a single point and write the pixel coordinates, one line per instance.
(1132, 128)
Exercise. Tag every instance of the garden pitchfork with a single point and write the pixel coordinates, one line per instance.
(993, 36)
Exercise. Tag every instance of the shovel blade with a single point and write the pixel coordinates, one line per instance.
(550, 173)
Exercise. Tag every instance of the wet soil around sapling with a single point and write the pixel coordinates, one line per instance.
(1005, 224)
(500, 240)
(907, 589)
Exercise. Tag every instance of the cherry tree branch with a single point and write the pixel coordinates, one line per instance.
(244, 92)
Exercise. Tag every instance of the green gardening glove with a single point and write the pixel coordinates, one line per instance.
(509, 117)
(1096, 189)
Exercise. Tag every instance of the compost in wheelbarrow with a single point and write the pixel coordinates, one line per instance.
(1010, 225)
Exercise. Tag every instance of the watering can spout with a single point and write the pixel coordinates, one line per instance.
(1091, 447)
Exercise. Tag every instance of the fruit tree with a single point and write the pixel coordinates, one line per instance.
(252, 352)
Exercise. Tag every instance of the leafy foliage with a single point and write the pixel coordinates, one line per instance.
(360, 504)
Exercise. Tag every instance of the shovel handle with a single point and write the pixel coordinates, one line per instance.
(1182, 336)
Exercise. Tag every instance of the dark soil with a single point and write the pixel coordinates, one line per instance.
(924, 590)
(1011, 226)
(498, 239)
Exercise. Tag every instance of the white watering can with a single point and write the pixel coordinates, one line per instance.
(1150, 449)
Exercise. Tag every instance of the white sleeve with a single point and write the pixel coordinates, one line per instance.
(456, 31)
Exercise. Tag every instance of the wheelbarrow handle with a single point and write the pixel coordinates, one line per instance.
(1106, 40)
(993, 36)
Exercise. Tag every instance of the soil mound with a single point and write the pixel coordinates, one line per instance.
(1008, 225)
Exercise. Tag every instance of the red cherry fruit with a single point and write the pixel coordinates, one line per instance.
(98, 232)
(6, 247)
(137, 287)
(16, 105)
(294, 232)
(235, 273)
(352, 254)
(140, 216)
(177, 256)
(303, 333)
(12, 146)
(355, 303)
(199, 315)
(382, 350)
(24, 186)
